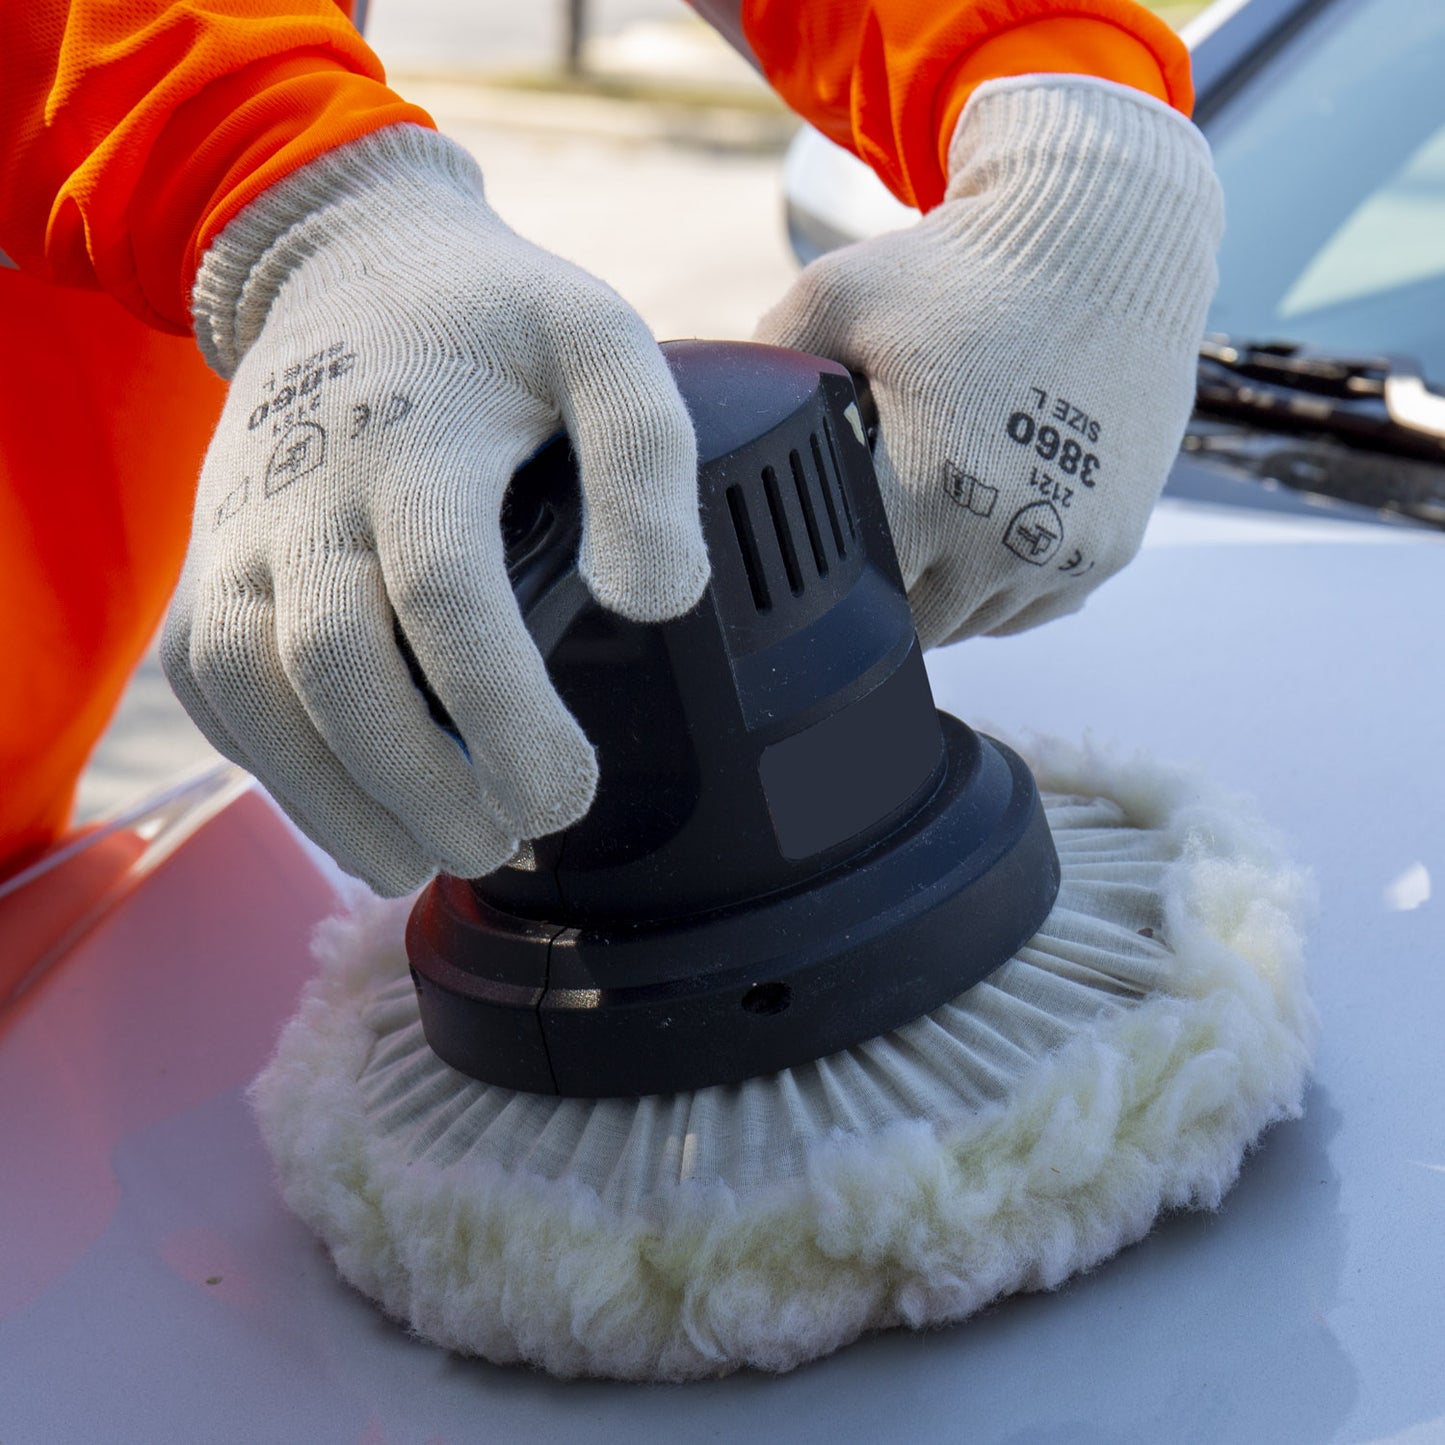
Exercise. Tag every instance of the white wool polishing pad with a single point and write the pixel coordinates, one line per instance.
(1120, 1065)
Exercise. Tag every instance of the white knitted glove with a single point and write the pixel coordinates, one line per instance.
(1031, 346)
(395, 352)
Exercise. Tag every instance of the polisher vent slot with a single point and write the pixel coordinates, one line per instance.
(834, 478)
(783, 530)
(812, 521)
(748, 547)
(825, 482)
(810, 516)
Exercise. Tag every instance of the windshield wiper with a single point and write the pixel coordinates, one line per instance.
(1381, 402)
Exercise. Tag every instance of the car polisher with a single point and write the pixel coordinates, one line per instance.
(791, 850)
(777, 1045)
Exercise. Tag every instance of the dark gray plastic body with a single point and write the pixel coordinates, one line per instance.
(791, 850)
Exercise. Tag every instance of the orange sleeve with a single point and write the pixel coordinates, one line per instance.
(131, 131)
(888, 79)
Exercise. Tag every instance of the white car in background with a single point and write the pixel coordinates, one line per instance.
(154, 1288)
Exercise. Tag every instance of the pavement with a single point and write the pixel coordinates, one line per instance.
(485, 36)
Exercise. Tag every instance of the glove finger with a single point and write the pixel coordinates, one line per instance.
(336, 644)
(175, 650)
(444, 566)
(1040, 610)
(824, 312)
(949, 607)
(642, 552)
(236, 663)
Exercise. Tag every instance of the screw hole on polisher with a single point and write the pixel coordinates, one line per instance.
(767, 998)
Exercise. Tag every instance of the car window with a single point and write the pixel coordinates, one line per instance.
(1332, 157)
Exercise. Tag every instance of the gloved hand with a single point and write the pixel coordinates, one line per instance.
(395, 352)
(1031, 346)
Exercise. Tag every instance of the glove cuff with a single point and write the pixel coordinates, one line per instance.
(1096, 189)
(393, 172)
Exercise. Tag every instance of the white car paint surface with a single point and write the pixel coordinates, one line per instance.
(153, 1286)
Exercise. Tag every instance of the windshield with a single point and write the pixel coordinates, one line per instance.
(1332, 157)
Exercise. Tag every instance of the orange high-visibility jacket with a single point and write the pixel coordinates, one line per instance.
(132, 131)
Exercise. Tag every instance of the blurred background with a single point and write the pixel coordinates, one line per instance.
(622, 134)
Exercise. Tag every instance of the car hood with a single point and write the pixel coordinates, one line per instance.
(153, 1280)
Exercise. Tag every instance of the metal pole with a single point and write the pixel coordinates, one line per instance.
(576, 31)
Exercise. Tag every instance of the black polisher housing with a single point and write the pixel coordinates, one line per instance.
(791, 850)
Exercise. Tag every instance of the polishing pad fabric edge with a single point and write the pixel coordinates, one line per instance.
(969, 1176)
